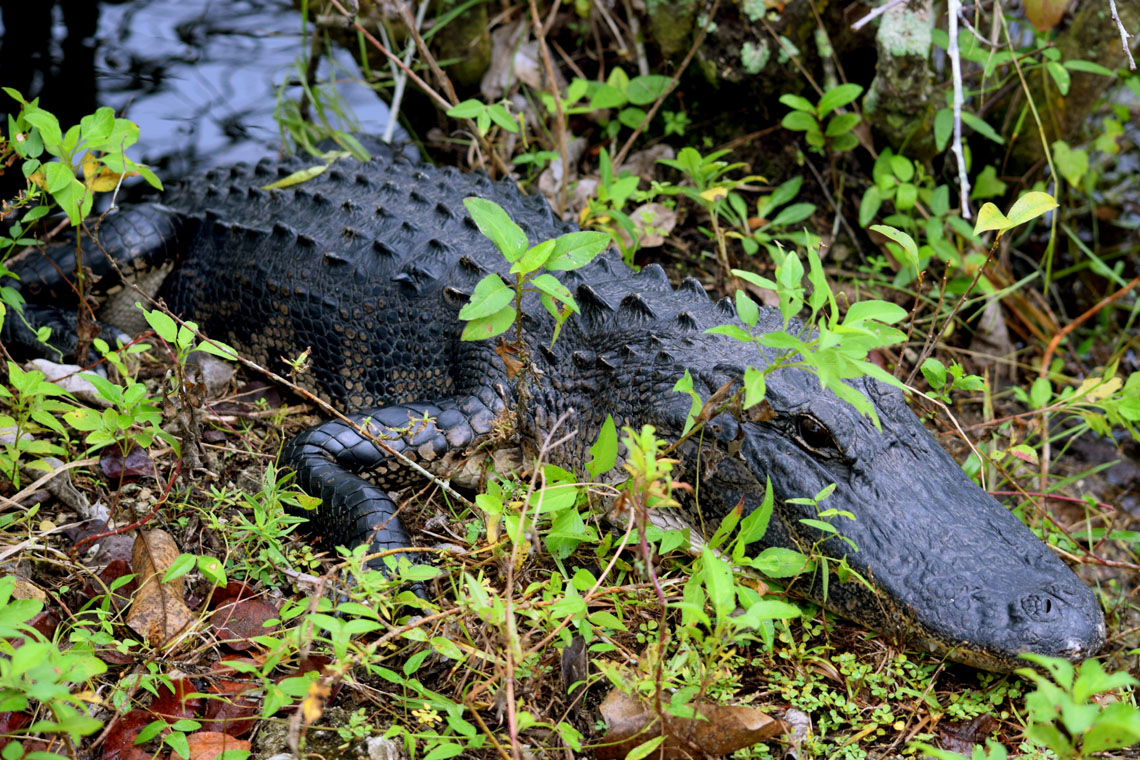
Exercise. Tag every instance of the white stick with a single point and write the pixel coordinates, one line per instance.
(955, 7)
(1124, 35)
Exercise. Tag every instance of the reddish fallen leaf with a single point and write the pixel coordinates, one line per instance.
(45, 622)
(173, 703)
(233, 715)
(234, 591)
(237, 623)
(138, 463)
(120, 741)
(207, 745)
(723, 729)
(213, 435)
(12, 723)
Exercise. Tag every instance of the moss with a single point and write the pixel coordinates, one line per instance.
(671, 24)
(755, 57)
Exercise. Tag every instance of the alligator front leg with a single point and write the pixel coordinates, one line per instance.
(351, 473)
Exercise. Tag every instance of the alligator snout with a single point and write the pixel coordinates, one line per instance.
(1060, 620)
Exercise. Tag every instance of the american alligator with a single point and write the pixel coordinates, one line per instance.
(369, 264)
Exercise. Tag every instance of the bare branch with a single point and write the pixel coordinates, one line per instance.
(1124, 35)
(876, 13)
(955, 7)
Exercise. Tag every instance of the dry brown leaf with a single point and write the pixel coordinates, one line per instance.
(722, 730)
(158, 612)
(207, 745)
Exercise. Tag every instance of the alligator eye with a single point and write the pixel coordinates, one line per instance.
(814, 433)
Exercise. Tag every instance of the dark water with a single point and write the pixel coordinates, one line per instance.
(199, 77)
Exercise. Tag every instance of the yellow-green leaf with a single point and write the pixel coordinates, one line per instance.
(296, 178)
(1030, 206)
(989, 218)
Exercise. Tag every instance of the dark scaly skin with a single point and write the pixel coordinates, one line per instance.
(369, 264)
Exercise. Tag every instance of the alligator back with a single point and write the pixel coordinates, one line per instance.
(366, 264)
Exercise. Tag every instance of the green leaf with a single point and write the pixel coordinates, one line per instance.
(642, 751)
(494, 223)
(447, 648)
(747, 309)
(906, 196)
(798, 121)
(1060, 75)
(534, 258)
(943, 128)
(1072, 164)
(643, 90)
(1030, 206)
(606, 96)
(631, 117)
(989, 218)
(162, 324)
(576, 249)
(797, 103)
(603, 454)
(903, 239)
(793, 214)
(48, 126)
(1040, 393)
(779, 562)
(718, 581)
(837, 97)
(902, 168)
(490, 296)
(779, 196)
(1088, 67)
(869, 206)
(842, 124)
(548, 284)
(755, 386)
(501, 116)
(935, 373)
(468, 109)
(489, 326)
(987, 185)
(981, 127)
(183, 564)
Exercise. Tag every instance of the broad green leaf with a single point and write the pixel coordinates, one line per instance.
(779, 196)
(48, 126)
(755, 386)
(902, 168)
(989, 218)
(797, 103)
(869, 206)
(842, 124)
(494, 223)
(793, 214)
(576, 249)
(987, 185)
(798, 121)
(489, 326)
(468, 109)
(162, 324)
(1030, 206)
(1071, 163)
(491, 295)
(534, 258)
(935, 373)
(837, 97)
(501, 116)
(643, 90)
(718, 581)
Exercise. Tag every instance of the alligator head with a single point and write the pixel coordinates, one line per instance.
(948, 567)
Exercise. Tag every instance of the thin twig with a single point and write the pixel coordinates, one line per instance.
(1124, 35)
(955, 7)
(876, 13)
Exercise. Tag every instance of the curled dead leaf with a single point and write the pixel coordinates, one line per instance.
(158, 612)
(721, 729)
